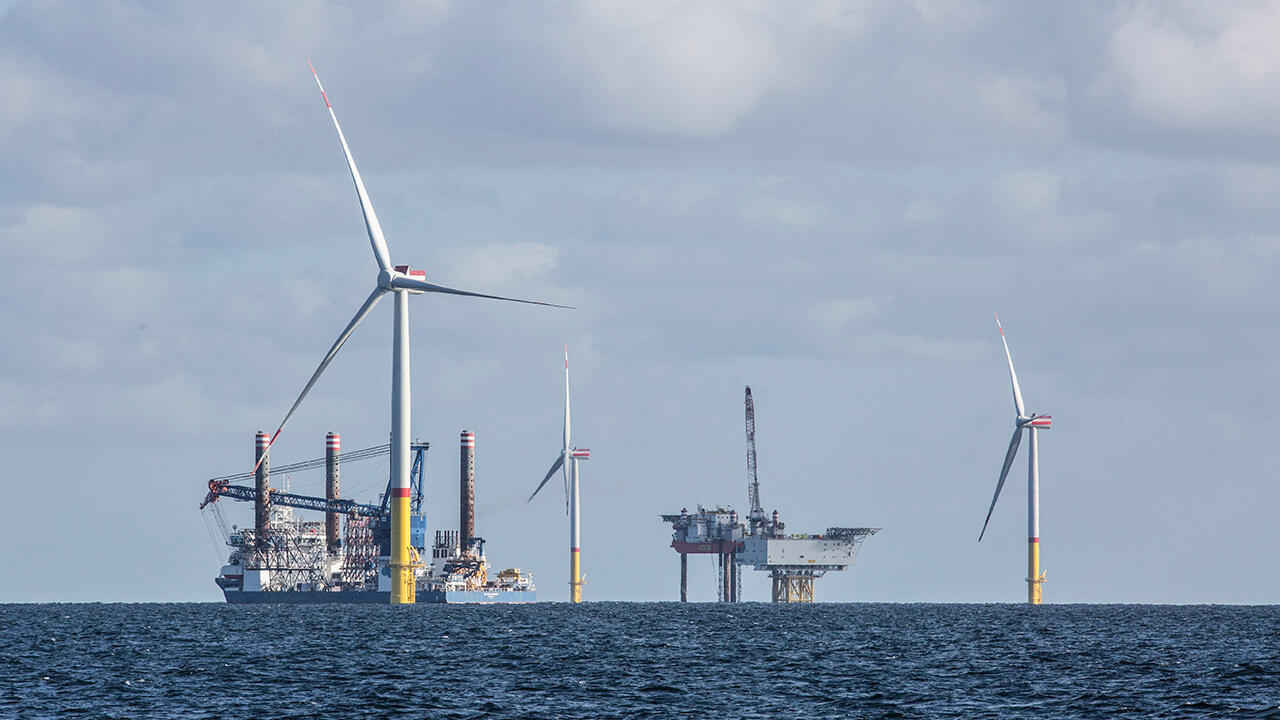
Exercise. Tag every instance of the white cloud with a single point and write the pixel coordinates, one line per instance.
(489, 268)
(75, 355)
(910, 346)
(920, 212)
(1249, 189)
(1029, 106)
(37, 100)
(24, 406)
(126, 294)
(836, 316)
(951, 15)
(672, 68)
(54, 234)
(781, 212)
(166, 406)
(1026, 193)
(1029, 206)
(1226, 272)
(1180, 67)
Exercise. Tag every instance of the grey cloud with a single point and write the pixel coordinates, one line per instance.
(829, 206)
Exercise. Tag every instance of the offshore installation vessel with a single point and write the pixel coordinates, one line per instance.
(346, 558)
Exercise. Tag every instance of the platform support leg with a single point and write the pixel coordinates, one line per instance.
(684, 577)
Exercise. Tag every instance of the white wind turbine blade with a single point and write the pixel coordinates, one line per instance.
(376, 239)
(1004, 473)
(565, 450)
(337, 345)
(554, 467)
(1017, 392)
(404, 282)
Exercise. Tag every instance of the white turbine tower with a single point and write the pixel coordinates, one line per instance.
(568, 461)
(403, 282)
(1033, 422)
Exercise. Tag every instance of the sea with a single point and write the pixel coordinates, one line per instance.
(639, 660)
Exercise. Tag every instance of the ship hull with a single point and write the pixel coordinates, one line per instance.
(373, 597)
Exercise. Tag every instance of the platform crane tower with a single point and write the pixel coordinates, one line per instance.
(755, 521)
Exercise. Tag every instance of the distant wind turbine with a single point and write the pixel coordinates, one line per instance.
(568, 462)
(1033, 422)
(402, 282)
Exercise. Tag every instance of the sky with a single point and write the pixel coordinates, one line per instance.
(826, 201)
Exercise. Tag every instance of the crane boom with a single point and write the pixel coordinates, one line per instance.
(221, 486)
(305, 502)
(756, 518)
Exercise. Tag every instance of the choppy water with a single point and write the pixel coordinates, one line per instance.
(605, 660)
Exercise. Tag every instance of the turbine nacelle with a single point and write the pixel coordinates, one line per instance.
(1039, 422)
(394, 280)
(389, 280)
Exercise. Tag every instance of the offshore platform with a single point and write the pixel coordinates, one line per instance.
(792, 561)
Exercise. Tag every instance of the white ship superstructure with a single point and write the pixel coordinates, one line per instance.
(285, 558)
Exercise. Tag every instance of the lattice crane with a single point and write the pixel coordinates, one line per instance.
(756, 521)
(221, 487)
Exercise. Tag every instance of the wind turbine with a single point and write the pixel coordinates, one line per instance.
(1033, 422)
(568, 461)
(402, 282)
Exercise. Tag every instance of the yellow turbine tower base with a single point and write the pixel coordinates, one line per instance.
(575, 577)
(402, 590)
(1035, 577)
